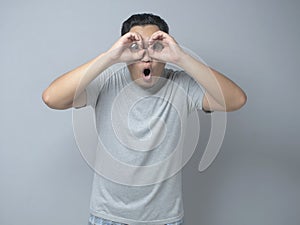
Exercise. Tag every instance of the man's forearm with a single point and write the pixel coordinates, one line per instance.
(221, 88)
(63, 90)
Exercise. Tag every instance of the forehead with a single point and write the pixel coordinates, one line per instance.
(145, 31)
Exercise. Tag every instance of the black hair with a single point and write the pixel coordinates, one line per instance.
(142, 20)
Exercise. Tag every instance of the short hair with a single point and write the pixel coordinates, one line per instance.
(142, 20)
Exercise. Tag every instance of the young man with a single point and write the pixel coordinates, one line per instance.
(145, 46)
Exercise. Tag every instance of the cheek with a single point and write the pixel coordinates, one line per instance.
(159, 67)
(132, 68)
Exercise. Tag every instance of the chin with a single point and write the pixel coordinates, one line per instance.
(145, 84)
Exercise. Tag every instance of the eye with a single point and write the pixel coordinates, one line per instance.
(157, 46)
(134, 47)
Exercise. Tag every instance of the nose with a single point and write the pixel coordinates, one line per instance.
(146, 57)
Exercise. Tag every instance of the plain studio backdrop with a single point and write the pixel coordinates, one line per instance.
(255, 178)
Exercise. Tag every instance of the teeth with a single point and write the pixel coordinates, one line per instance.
(146, 72)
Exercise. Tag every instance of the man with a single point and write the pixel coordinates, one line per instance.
(145, 46)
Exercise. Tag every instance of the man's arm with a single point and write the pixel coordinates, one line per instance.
(61, 92)
(69, 89)
(222, 94)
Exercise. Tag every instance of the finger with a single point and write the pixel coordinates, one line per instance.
(134, 36)
(140, 54)
(156, 56)
(135, 56)
(159, 35)
(135, 42)
(129, 38)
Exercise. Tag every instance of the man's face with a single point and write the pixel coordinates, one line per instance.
(146, 72)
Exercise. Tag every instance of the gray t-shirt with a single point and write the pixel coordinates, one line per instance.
(140, 127)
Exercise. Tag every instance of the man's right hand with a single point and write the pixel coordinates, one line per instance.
(121, 51)
(63, 91)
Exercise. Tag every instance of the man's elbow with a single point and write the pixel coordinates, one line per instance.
(46, 98)
(50, 101)
(238, 103)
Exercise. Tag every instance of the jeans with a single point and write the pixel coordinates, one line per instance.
(93, 220)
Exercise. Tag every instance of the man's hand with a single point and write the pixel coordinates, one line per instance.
(124, 49)
(63, 91)
(164, 48)
(222, 94)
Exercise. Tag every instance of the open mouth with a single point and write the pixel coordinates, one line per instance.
(147, 73)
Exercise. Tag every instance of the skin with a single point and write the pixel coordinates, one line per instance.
(222, 94)
(68, 90)
(156, 67)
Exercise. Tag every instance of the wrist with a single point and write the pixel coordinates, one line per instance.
(181, 59)
(108, 58)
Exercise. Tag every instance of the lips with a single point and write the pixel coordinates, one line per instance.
(147, 74)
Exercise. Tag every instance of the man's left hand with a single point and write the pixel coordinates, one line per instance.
(164, 48)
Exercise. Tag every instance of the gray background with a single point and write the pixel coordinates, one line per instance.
(255, 178)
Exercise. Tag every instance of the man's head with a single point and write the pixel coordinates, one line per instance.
(145, 72)
(142, 20)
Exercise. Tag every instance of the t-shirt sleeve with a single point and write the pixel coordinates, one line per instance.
(195, 94)
(93, 90)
